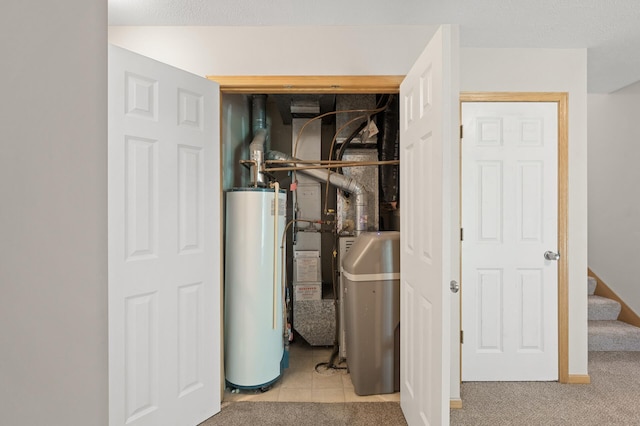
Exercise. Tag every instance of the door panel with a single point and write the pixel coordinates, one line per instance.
(429, 99)
(164, 256)
(509, 217)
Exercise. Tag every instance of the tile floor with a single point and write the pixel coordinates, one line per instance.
(301, 383)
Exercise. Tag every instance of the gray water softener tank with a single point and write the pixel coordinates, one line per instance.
(371, 272)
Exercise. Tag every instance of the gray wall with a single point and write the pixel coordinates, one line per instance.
(53, 213)
(235, 138)
(614, 205)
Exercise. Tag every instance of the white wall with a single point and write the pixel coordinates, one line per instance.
(53, 213)
(349, 51)
(614, 206)
(551, 70)
(388, 50)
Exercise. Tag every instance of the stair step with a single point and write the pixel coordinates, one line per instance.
(591, 282)
(603, 309)
(613, 336)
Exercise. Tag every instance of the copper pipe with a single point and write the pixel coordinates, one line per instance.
(342, 164)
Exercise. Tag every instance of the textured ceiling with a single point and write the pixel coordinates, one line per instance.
(609, 29)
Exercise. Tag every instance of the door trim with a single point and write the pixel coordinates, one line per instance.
(288, 84)
(562, 99)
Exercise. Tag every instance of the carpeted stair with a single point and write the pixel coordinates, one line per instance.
(606, 333)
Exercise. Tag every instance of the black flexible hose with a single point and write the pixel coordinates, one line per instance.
(388, 150)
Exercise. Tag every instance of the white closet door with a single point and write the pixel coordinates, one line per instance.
(428, 122)
(164, 244)
(510, 219)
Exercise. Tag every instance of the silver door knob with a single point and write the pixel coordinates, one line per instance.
(454, 286)
(549, 255)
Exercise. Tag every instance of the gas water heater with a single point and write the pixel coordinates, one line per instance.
(254, 332)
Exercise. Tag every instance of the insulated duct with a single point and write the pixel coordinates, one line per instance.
(341, 181)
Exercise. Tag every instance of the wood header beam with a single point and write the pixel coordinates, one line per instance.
(308, 84)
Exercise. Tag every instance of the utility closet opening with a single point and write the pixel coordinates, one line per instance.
(303, 175)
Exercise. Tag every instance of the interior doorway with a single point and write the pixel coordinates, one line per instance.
(298, 383)
(560, 100)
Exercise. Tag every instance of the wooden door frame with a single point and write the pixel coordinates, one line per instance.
(562, 100)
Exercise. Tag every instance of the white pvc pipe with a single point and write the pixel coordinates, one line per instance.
(276, 205)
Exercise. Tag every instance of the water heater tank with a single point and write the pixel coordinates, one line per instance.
(253, 311)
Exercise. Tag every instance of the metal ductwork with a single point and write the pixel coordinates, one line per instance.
(341, 181)
(258, 144)
(256, 152)
(258, 112)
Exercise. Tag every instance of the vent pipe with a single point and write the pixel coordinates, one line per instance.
(257, 146)
(343, 182)
(259, 112)
(256, 153)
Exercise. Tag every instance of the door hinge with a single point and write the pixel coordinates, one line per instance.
(461, 234)
(461, 131)
(461, 336)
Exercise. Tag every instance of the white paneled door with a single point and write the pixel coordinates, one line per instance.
(509, 217)
(164, 251)
(428, 146)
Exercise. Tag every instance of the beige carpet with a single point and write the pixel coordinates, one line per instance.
(308, 414)
(612, 398)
